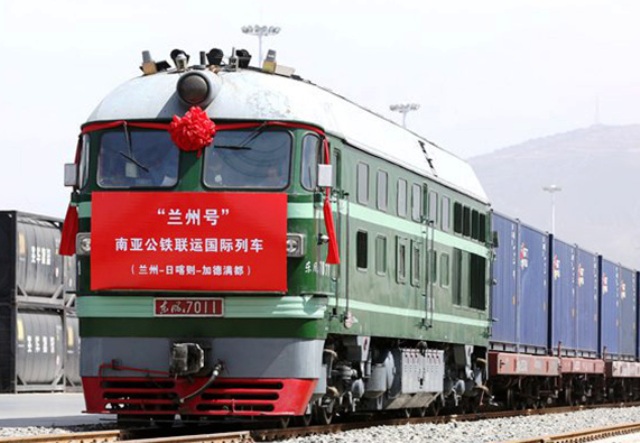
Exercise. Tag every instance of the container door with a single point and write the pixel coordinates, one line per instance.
(563, 309)
(628, 305)
(609, 327)
(587, 303)
(504, 292)
(533, 290)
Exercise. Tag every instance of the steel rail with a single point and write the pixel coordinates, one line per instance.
(79, 437)
(118, 436)
(226, 437)
(585, 435)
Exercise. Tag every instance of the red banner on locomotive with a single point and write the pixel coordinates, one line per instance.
(189, 241)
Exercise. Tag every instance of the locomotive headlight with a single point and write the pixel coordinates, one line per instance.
(83, 243)
(198, 88)
(295, 245)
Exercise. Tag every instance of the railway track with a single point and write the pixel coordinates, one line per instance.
(157, 435)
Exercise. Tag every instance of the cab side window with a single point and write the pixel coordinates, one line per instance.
(310, 148)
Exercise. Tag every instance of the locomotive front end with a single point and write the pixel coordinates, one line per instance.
(197, 209)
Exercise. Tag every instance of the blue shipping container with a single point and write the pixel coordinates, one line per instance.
(628, 306)
(563, 298)
(504, 335)
(587, 303)
(533, 289)
(610, 309)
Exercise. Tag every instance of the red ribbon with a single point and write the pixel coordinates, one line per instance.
(194, 131)
(69, 232)
(333, 257)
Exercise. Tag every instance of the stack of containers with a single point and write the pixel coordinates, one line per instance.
(36, 308)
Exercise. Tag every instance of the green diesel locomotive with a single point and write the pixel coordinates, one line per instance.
(250, 244)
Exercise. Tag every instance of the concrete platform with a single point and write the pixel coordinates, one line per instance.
(55, 409)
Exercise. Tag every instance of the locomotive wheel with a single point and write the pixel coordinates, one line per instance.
(510, 400)
(303, 420)
(568, 397)
(435, 407)
(404, 413)
(469, 405)
(284, 421)
(323, 415)
(474, 404)
(420, 412)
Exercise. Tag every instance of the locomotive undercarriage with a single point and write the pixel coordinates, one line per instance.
(371, 375)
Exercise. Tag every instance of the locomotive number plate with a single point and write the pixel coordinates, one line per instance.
(188, 307)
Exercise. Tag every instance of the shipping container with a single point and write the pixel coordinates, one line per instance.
(587, 309)
(563, 326)
(610, 309)
(520, 296)
(505, 290)
(39, 352)
(31, 270)
(628, 307)
(533, 290)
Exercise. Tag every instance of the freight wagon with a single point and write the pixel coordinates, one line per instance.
(565, 321)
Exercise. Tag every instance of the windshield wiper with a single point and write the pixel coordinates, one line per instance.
(245, 148)
(134, 161)
(254, 134)
(130, 149)
(243, 145)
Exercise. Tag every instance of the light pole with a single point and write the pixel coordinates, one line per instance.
(260, 31)
(552, 189)
(403, 109)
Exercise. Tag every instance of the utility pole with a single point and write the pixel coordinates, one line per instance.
(260, 31)
(552, 189)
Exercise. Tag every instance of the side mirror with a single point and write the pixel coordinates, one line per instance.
(325, 176)
(71, 175)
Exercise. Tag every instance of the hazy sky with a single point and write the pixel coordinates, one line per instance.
(487, 74)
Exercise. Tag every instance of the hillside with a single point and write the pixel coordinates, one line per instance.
(598, 169)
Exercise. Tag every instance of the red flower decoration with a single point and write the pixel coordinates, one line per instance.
(194, 131)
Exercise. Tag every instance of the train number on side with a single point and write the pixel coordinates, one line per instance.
(188, 307)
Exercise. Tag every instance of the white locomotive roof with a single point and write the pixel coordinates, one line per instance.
(253, 95)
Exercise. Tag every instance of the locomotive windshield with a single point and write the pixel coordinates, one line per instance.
(137, 158)
(256, 158)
